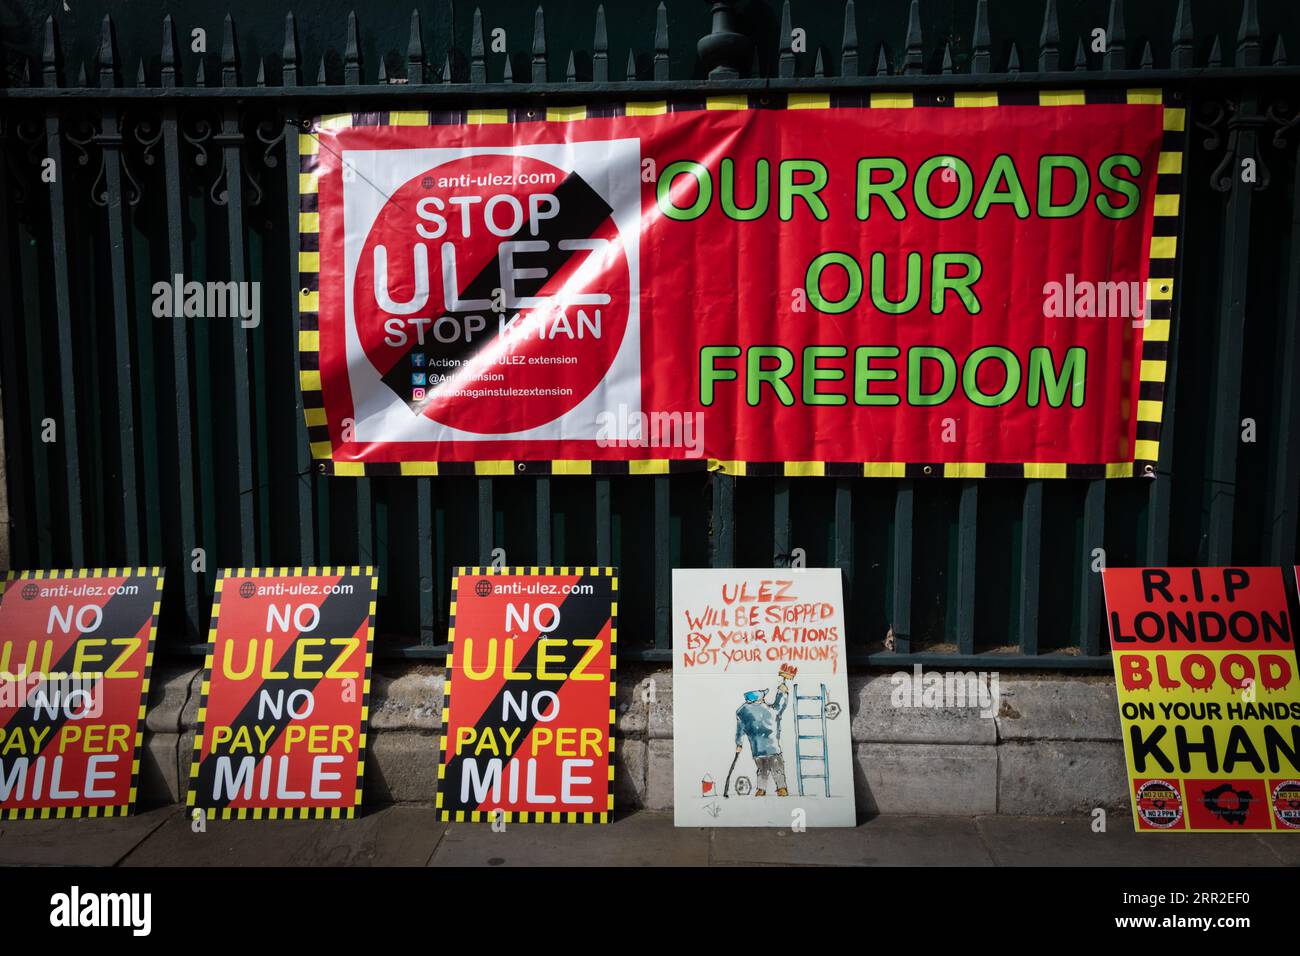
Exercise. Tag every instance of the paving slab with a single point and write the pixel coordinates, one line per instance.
(881, 841)
(644, 838)
(1285, 846)
(103, 841)
(392, 836)
(1061, 841)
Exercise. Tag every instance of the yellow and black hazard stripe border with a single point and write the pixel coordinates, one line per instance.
(533, 816)
(302, 571)
(283, 813)
(119, 809)
(1155, 341)
(68, 574)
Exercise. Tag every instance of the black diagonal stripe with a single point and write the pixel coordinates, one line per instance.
(341, 615)
(582, 211)
(584, 617)
(122, 618)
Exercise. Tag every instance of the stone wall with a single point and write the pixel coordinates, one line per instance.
(1052, 748)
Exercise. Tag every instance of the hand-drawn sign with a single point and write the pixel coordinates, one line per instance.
(759, 677)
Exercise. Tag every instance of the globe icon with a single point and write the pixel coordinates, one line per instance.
(483, 588)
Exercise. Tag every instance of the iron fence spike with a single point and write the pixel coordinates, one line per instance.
(1115, 56)
(661, 43)
(477, 63)
(1049, 41)
(785, 62)
(352, 52)
(415, 50)
(981, 57)
(600, 49)
(108, 72)
(229, 54)
(1183, 54)
(290, 54)
(539, 46)
(1249, 50)
(849, 48)
(51, 55)
(914, 58)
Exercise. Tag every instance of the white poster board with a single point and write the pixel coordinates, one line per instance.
(760, 699)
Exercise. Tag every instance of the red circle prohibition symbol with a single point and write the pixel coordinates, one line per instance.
(492, 292)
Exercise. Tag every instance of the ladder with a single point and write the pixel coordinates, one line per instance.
(818, 722)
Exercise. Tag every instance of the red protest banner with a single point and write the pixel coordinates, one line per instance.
(527, 735)
(1209, 696)
(286, 694)
(584, 289)
(76, 649)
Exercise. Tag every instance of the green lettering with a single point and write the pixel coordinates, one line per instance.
(941, 282)
(1003, 170)
(921, 187)
(1126, 188)
(1047, 167)
(949, 365)
(812, 374)
(970, 375)
(704, 190)
(911, 296)
(710, 373)
(813, 282)
(727, 191)
(807, 191)
(1043, 376)
(885, 190)
(864, 374)
(756, 376)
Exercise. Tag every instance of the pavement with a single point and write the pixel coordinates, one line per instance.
(410, 835)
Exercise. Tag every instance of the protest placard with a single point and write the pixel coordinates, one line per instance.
(285, 695)
(528, 709)
(1209, 697)
(76, 649)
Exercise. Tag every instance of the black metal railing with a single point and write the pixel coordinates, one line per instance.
(137, 439)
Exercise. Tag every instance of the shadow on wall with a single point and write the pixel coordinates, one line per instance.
(15, 27)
